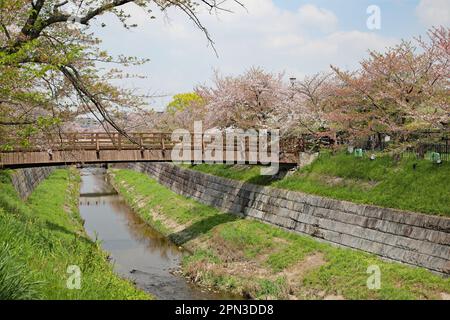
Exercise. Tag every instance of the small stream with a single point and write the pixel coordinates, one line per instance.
(138, 251)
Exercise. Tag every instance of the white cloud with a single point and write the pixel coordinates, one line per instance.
(285, 41)
(314, 17)
(343, 47)
(300, 42)
(434, 12)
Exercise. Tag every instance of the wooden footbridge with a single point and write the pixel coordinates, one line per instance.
(91, 148)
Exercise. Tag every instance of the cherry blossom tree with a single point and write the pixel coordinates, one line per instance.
(251, 100)
(402, 90)
(311, 97)
(50, 62)
(398, 92)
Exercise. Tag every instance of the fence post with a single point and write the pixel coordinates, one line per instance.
(141, 143)
(97, 143)
(447, 156)
(162, 142)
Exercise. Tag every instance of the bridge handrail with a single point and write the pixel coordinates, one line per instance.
(116, 141)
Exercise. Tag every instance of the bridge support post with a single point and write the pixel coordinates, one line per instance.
(97, 143)
(50, 154)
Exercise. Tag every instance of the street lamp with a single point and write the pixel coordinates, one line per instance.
(292, 79)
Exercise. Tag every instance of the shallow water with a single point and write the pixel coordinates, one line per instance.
(138, 251)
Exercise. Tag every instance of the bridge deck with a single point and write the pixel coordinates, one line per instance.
(86, 148)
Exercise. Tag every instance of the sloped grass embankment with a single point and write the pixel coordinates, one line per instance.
(413, 185)
(41, 238)
(261, 261)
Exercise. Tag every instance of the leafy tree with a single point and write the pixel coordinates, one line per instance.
(182, 101)
(49, 63)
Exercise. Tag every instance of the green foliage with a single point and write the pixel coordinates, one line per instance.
(184, 100)
(271, 289)
(288, 256)
(43, 67)
(201, 256)
(262, 261)
(44, 236)
(383, 182)
(248, 173)
(178, 208)
(15, 280)
(250, 238)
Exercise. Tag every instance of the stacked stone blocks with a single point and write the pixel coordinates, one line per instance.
(411, 238)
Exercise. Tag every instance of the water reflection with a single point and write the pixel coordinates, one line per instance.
(138, 251)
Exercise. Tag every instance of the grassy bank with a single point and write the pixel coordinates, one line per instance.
(41, 238)
(384, 182)
(262, 261)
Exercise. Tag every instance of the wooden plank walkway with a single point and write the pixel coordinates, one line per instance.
(85, 148)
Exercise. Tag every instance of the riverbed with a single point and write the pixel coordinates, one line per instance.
(138, 252)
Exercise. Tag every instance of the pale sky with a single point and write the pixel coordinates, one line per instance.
(295, 36)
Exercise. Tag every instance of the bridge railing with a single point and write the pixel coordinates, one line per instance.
(153, 146)
(98, 141)
(148, 141)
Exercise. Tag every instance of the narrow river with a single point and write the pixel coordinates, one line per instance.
(138, 252)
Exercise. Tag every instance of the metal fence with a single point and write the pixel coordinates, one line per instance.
(426, 151)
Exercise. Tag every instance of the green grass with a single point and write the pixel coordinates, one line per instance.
(240, 172)
(148, 199)
(41, 238)
(383, 182)
(262, 261)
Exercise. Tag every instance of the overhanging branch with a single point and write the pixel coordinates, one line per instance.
(72, 75)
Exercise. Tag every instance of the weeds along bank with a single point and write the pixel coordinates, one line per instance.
(41, 239)
(261, 261)
(408, 184)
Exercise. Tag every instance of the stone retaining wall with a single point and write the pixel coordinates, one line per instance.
(26, 180)
(411, 238)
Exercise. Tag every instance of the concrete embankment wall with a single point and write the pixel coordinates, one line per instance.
(407, 237)
(26, 180)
